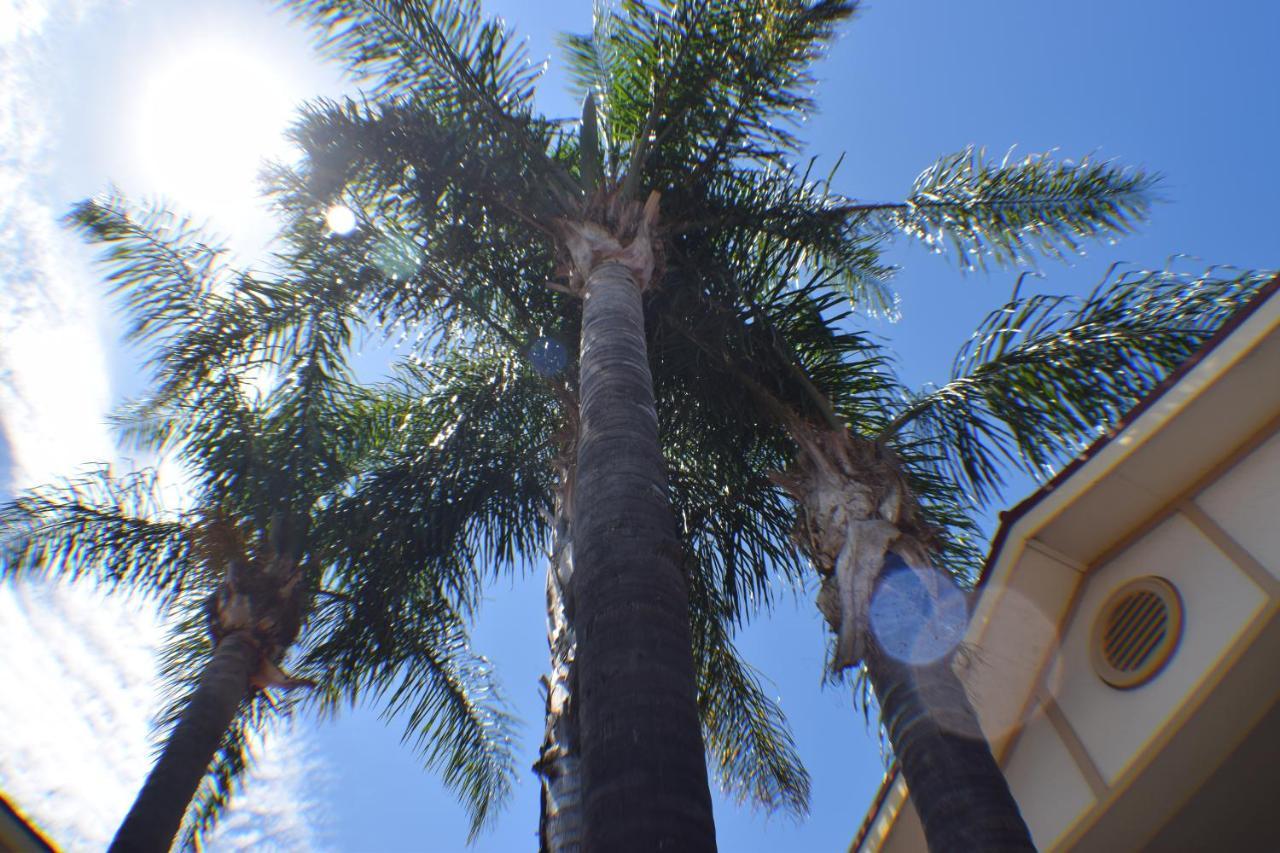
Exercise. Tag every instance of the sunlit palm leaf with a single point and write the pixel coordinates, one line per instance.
(1012, 211)
(1045, 375)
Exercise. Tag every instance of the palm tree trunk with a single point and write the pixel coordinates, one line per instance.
(858, 522)
(559, 763)
(643, 764)
(157, 813)
(957, 788)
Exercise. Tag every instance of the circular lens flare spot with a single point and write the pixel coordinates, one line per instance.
(918, 615)
(340, 219)
(548, 356)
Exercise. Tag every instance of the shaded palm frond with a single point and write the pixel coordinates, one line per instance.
(456, 234)
(450, 60)
(113, 529)
(688, 88)
(198, 316)
(441, 51)
(462, 482)
(790, 222)
(412, 656)
(752, 750)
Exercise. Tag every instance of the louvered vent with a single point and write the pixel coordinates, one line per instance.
(1136, 632)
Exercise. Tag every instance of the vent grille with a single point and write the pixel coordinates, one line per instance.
(1136, 632)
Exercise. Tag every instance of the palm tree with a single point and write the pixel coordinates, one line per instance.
(886, 482)
(682, 150)
(264, 563)
(482, 464)
(522, 400)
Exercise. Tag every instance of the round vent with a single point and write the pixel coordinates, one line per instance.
(1136, 632)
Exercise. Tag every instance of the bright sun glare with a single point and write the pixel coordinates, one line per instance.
(206, 121)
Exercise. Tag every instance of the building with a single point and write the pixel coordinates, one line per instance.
(1127, 646)
(19, 834)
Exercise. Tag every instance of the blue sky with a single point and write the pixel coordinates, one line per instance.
(1173, 86)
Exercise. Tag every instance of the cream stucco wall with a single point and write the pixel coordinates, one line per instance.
(1218, 601)
(1000, 674)
(1246, 503)
(1040, 755)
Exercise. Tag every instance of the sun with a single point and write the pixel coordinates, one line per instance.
(207, 118)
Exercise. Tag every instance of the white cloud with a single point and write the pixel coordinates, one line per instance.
(79, 669)
(53, 379)
(75, 741)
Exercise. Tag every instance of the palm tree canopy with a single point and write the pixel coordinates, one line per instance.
(274, 439)
(447, 157)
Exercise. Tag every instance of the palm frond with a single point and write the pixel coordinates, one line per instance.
(442, 51)
(448, 59)
(458, 226)
(787, 220)
(1009, 211)
(1045, 375)
(200, 318)
(113, 529)
(412, 655)
(687, 88)
(749, 740)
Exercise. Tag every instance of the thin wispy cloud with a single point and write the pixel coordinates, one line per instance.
(75, 735)
(80, 668)
(53, 379)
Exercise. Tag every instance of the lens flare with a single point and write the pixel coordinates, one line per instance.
(340, 219)
(548, 356)
(918, 615)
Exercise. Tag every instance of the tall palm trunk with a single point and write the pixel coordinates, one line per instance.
(859, 521)
(957, 788)
(156, 815)
(559, 763)
(643, 765)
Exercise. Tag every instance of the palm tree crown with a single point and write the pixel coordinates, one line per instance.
(274, 440)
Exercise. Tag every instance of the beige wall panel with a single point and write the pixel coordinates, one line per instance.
(1017, 641)
(1049, 787)
(1217, 601)
(1093, 524)
(1246, 503)
(907, 835)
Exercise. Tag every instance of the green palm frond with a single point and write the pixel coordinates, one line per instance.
(195, 312)
(465, 478)
(449, 60)
(113, 529)
(412, 656)
(442, 51)
(686, 88)
(749, 740)
(458, 230)
(1009, 211)
(803, 225)
(1045, 375)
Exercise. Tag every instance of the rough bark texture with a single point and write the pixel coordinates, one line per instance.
(858, 520)
(156, 815)
(644, 771)
(957, 788)
(559, 764)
